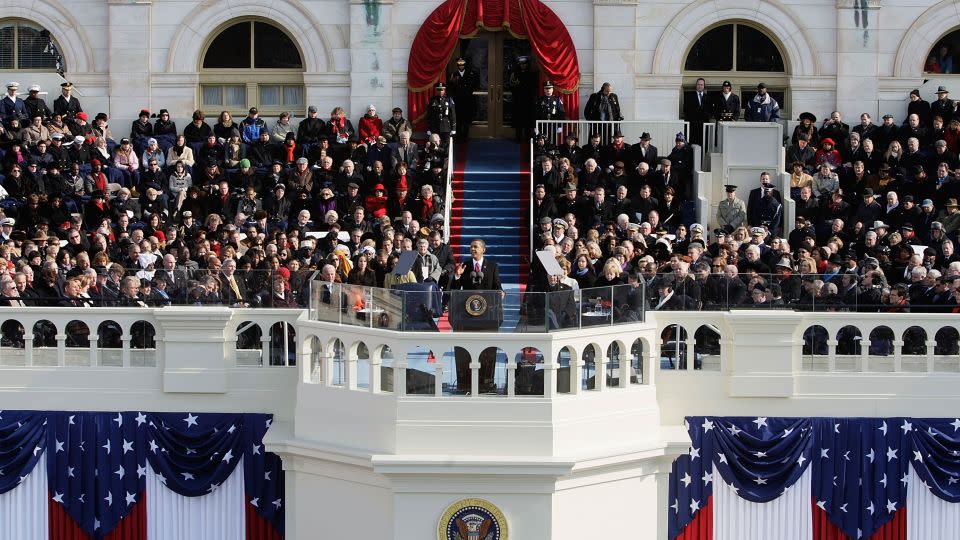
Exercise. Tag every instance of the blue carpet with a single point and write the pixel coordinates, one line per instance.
(492, 209)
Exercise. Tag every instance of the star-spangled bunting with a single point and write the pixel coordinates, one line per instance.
(97, 461)
(860, 466)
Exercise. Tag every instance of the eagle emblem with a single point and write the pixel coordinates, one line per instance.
(472, 519)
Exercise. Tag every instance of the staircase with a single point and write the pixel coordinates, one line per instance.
(490, 186)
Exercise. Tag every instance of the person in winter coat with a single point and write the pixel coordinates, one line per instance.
(762, 108)
(370, 126)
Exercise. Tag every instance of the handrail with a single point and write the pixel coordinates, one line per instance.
(448, 203)
(662, 132)
(531, 226)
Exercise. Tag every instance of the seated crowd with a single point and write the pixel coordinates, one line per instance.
(876, 227)
(235, 212)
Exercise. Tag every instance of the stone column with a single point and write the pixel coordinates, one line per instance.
(196, 361)
(858, 47)
(128, 63)
(614, 50)
(371, 57)
(765, 354)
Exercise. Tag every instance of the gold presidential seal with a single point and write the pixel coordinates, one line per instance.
(476, 305)
(472, 519)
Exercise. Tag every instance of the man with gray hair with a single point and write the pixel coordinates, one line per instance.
(404, 151)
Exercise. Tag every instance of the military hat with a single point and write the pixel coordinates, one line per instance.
(560, 223)
(461, 61)
(730, 188)
(66, 85)
(440, 86)
(548, 84)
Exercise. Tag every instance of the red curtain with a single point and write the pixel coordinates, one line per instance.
(133, 526)
(435, 42)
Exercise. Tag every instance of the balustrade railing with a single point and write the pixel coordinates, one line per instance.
(131, 338)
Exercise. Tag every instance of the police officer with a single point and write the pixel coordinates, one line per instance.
(442, 114)
(523, 85)
(462, 83)
(550, 107)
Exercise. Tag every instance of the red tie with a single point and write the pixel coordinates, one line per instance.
(476, 267)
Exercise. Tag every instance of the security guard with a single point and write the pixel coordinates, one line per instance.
(462, 83)
(549, 106)
(442, 114)
(67, 105)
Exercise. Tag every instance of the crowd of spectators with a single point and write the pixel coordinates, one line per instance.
(876, 226)
(238, 212)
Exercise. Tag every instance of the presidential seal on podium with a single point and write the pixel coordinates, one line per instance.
(472, 519)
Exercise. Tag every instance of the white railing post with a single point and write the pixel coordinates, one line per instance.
(375, 371)
(600, 363)
(438, 379)
(511, 375)
(61, 350)
(125, 353)
(28, 348)
(576, 374)
(831, 354)
(931, 344)
(475, 377)
(326, 375)
(265, 353)
(550, 373)
(691, 344)
(626, 367)
(286, 343)
(399, 377)
(864, 355)
(897, 355)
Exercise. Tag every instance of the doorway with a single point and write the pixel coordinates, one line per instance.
(493, 56)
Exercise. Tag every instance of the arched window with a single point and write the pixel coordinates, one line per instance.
(252, 63)
(742, 54)
(941, 58)
(25, 46)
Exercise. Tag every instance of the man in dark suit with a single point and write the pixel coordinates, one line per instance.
(697, 109)
(444, 256)
(477, 274)
(175, 278)
(234, 289)
(764, 205)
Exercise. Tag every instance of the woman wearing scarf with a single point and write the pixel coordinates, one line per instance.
(339, 132)
(224, 126)
(180, 152)
(370, 126)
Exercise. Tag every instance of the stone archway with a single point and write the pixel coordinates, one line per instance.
(75, 45)
(801, 55)
(205, 21)
(928, 29)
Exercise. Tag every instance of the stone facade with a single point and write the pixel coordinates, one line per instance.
(129, 54)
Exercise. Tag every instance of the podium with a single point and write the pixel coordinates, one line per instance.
(476, 310)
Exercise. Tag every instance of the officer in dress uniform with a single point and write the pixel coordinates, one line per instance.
(732, 211)
(442, 114)
(550, 107)
(523, 87)
(36, 105)
(462, 83)
(66, 105)
(12, 107)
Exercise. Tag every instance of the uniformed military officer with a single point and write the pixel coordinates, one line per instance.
(12, 107)
(463, 82)
(442, 114)
(66, 105)
(523, 86)
(732, 211)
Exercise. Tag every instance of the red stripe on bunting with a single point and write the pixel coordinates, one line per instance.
(824, 529)
(257, 527)
(895, 529)
(63, 527)
(701, 528)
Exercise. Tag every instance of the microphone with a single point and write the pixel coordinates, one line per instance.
(476, 277)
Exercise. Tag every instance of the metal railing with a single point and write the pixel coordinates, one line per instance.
(448, 193)
(662, 132)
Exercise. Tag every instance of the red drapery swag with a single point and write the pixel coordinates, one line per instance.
(531, 19)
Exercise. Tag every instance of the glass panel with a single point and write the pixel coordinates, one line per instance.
(292, 96)
(273, 49)
(212, 95)
(230, 49)
(713, 51)
(270, 96)
(36, 49)
(476, 52)
(940, 59)
(756, 52)
(6, 47)
(236, 96)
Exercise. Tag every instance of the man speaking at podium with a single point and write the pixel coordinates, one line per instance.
(480, 311)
